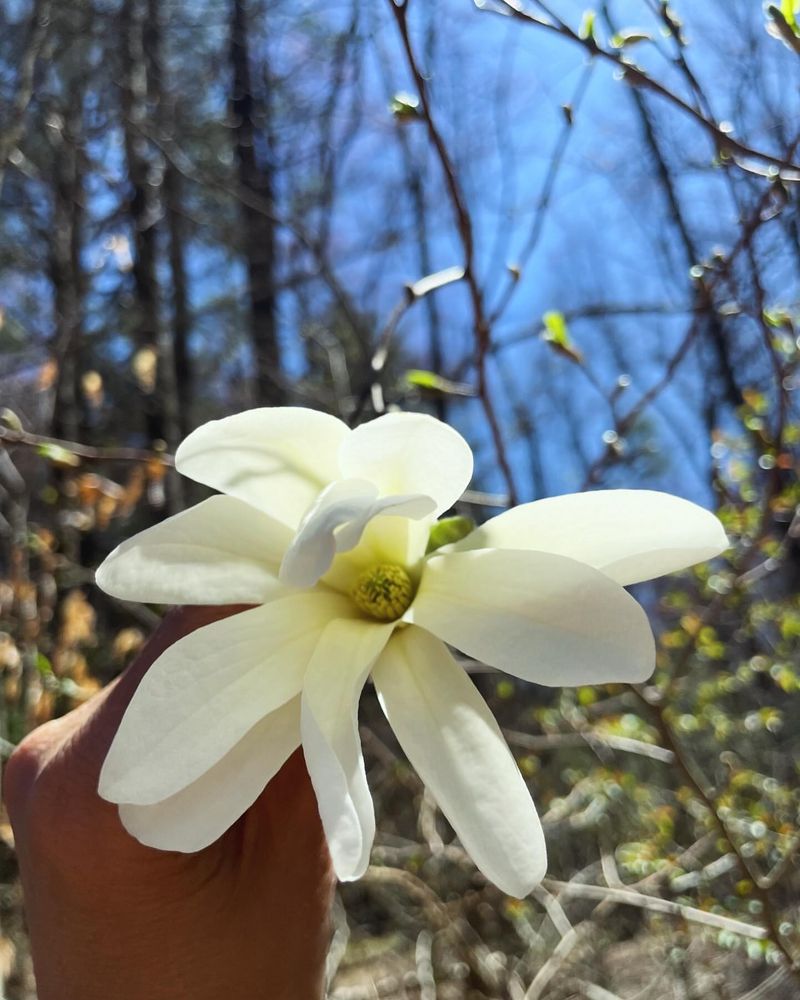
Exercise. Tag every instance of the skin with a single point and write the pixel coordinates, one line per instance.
(243, 919)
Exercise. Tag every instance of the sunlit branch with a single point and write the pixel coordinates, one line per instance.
(724, 142)
(481, 322)
(656, 904)
(412, 292)
(545, 198)
(83, 451)
(711, 278)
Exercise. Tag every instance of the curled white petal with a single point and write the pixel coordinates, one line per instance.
(536, 615)
(331, 744)
(336, 522)
(453, 742)
(223, 551)
(409, 453)
(631, 535)
(275, 458)
(198, 814)
(207, 690)
(395, 540)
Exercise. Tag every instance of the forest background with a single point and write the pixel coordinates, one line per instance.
(573, 234)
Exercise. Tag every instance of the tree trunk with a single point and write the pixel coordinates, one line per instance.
(181, 317)
(248, 114)
(177, 383)
(14, 115)
(144, 206)
(142, 103)
(67, 277)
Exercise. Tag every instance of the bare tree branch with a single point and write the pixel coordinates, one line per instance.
(14, 125)
(656, 904)
(742, 154)
(82, 451)
(481, 323)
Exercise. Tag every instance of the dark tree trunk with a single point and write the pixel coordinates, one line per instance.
(68, 282)
(177, 382)
(181, 317)
(66, 276)
(250, 129)
(142, 103)
(15, 112)
(144, 206)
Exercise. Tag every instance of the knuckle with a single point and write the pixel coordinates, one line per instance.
(20, 773)
(28, 779)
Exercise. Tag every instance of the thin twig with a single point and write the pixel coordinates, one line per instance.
(481, 324)
(412, 292)
(545, 198)
(707, 285)
(627, 897)
(15, 123)
(634, 76)
(626, 744)
(559, 955)
(783, 29)
(687, 769)
(84, 451)
(438, 915)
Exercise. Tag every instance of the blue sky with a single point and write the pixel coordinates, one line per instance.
(498, 88)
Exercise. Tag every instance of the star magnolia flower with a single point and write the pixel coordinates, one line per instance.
(325, 530)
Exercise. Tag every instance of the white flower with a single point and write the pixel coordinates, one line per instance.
(325, 530)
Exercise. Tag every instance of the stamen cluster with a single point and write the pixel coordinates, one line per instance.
(384, 592)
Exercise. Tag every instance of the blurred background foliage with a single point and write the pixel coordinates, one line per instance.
(570, 232)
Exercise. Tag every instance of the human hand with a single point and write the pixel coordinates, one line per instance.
(245, 918)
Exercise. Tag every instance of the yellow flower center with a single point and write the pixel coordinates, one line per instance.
(383, 592)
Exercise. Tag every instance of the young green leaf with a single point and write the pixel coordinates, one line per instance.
(405, 106)
(9, 419)
(556, 333)
(43, 665)
(432, 382)
(58, 455)
(588, 22)
(628, 37)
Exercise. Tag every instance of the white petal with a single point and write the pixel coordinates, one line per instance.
(277, 459)
(223, 551)
(331, 744)
(456, 747)
(409, 453)
(631, 535)
(398, 541)
(206, 691)
(197, 815)
(536, 615)
(336, 522)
